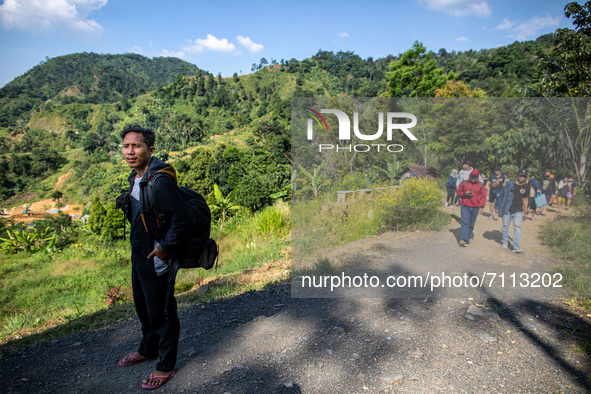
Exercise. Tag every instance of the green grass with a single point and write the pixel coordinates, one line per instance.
(45, 296)
(323, 223)
(42, 290)
(436, 222)
(570, 240)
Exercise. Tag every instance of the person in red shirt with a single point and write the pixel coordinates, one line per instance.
(472, 195)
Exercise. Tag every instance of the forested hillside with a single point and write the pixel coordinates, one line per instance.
(65, 115)
(86, 78)
(501, 72)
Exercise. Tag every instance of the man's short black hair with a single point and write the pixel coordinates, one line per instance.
(147, 134)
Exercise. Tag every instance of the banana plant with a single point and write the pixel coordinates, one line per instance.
(316, 181)
(224, 205)
(26, 241)
(391, 171)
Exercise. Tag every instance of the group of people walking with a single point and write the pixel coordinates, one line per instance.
(511, 200)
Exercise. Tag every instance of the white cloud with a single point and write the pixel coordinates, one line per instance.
(211, 43)
(505, 24)
(458, 7)
(533, 27)
(462, 38)
(167, 53)
(39, 16)
(344, 34)
(248, 44)
(137, 50)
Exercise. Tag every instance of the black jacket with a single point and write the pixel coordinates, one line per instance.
(145, 228)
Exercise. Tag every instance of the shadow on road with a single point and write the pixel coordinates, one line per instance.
(266, 341)
(494, 235)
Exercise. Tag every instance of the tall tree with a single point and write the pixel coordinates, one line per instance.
(415, 74)
(566, 71)
(455, 88)
(459, 124)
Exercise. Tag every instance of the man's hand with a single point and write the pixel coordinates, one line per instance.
(161, 255)
(481, 211)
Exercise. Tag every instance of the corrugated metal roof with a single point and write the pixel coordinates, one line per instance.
(420, 171)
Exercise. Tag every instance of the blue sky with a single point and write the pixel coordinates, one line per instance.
(228, 36)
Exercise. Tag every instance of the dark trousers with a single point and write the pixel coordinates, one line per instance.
(160, 322)
(451, 194)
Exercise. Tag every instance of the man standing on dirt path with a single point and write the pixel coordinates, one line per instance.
(472, 199)
(151, 276)
(512, 204)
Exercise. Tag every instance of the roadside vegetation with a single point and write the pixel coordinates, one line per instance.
(324, 223)
(85, 284)
(570, 240)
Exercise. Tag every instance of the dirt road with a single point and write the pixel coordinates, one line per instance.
(269, 342)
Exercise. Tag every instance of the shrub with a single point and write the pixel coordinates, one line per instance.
(324, 223)
(414, 203)
(113, 223)
(253, 192)
(9, 224)
(570, 240)
(98, 214)
(273, 220)
(353, 182)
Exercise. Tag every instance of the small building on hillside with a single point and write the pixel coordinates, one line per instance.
(411, 171)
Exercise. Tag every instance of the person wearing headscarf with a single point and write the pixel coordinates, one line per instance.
(451, 188)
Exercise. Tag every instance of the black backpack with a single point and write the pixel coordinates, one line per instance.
(201, 250)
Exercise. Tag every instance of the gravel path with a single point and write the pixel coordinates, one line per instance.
(269, 342)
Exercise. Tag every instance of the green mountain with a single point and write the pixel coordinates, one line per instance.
(82, 101)
(503, 71)
(86, 78)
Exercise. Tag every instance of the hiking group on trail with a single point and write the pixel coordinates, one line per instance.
(511, 200)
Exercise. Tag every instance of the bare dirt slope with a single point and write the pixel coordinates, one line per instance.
(40, 208)
(268, 342)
